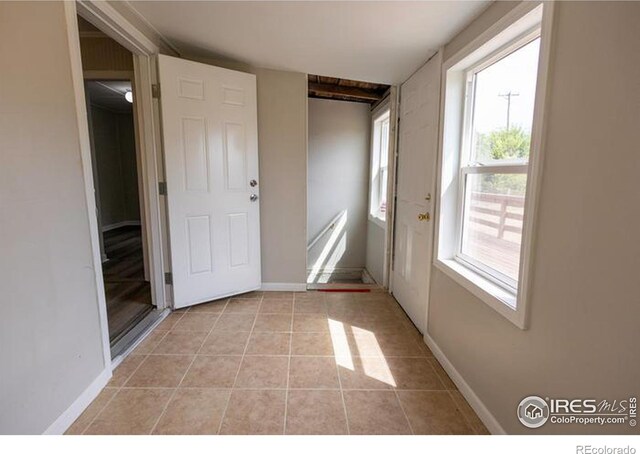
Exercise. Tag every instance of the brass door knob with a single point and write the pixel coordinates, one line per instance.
(424, 217)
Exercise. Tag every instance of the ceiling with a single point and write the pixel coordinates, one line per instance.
(374, 41)
(109, 94)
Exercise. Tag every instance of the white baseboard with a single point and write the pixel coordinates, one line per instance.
(72, 413)
(367, 278)
(478, 406)
(117, 225)
(283, 287)
(337, 270)
(325, 274)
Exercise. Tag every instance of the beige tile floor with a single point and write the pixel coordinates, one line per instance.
(282, 363)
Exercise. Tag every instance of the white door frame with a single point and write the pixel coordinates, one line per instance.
(394, 187)
(122, 75)
(107, 19)
(389, 240)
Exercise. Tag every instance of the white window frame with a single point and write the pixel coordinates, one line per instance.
(468, 167)
(521, 25)
(376, 190)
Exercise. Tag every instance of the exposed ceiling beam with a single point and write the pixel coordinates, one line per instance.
(329, 90)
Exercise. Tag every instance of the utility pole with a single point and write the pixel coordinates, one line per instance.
(508, 97)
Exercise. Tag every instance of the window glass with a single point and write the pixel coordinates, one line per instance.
(492, 229)
(495, 177)
(379, 166)
(504, 94)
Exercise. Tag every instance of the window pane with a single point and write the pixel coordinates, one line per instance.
(492, 227)
(384, 158)
(379, 158)
(384, 143)
(503, 106)
(383, 193)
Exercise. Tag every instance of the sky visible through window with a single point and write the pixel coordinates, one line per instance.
(515, 74)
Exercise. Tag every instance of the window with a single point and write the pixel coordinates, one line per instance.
(495, 156)
(490, 154)
(379, 166)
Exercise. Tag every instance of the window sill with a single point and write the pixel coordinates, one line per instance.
(496, 297)
(378, 221)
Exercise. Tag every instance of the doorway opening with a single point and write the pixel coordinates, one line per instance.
(116, 166)
(346, 236)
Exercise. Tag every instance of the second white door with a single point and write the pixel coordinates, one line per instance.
(417, 151)
(209, 124)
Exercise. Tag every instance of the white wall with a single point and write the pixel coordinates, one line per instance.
(584, 336)
(282, 144)
(338, 181)
(375, 251)
(49, 329)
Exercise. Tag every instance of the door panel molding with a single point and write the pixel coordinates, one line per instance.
(210, 134)
(416, 178)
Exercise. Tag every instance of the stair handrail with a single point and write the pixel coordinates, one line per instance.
(328, 227)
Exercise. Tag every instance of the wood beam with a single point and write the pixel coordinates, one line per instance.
(328, 90)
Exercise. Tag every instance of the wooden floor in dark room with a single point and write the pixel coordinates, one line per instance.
(128, 294)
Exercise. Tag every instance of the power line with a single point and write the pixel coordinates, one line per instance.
(508, 97)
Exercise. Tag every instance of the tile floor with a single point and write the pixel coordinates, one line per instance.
(282, 363)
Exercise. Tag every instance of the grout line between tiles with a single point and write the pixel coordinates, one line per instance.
(218, 388)
(349, 318)
(395, 391)
(272, 354)
(175, 390)
(344, 405)
(286, 396)
(99, 412)
(465, 417)
(246, 346)
(119, 388)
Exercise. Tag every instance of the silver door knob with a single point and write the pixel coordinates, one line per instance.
(253, 197)
(253, 183)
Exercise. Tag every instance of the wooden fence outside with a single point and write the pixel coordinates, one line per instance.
(503, 202)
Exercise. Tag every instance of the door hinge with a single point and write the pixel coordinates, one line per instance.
(155, 91)
(168, 278)
(162, 188)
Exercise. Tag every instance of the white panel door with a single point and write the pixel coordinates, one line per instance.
(209, 127)
(417, 152)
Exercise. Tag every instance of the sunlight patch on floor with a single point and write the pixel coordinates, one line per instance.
(374, 366)
(340, 344)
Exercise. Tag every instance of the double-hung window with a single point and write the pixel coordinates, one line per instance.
(489, 150)
(379, 166)
(500, 95)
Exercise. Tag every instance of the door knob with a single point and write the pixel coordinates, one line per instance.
(424, 217)
(253, 183)
(253, 197)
